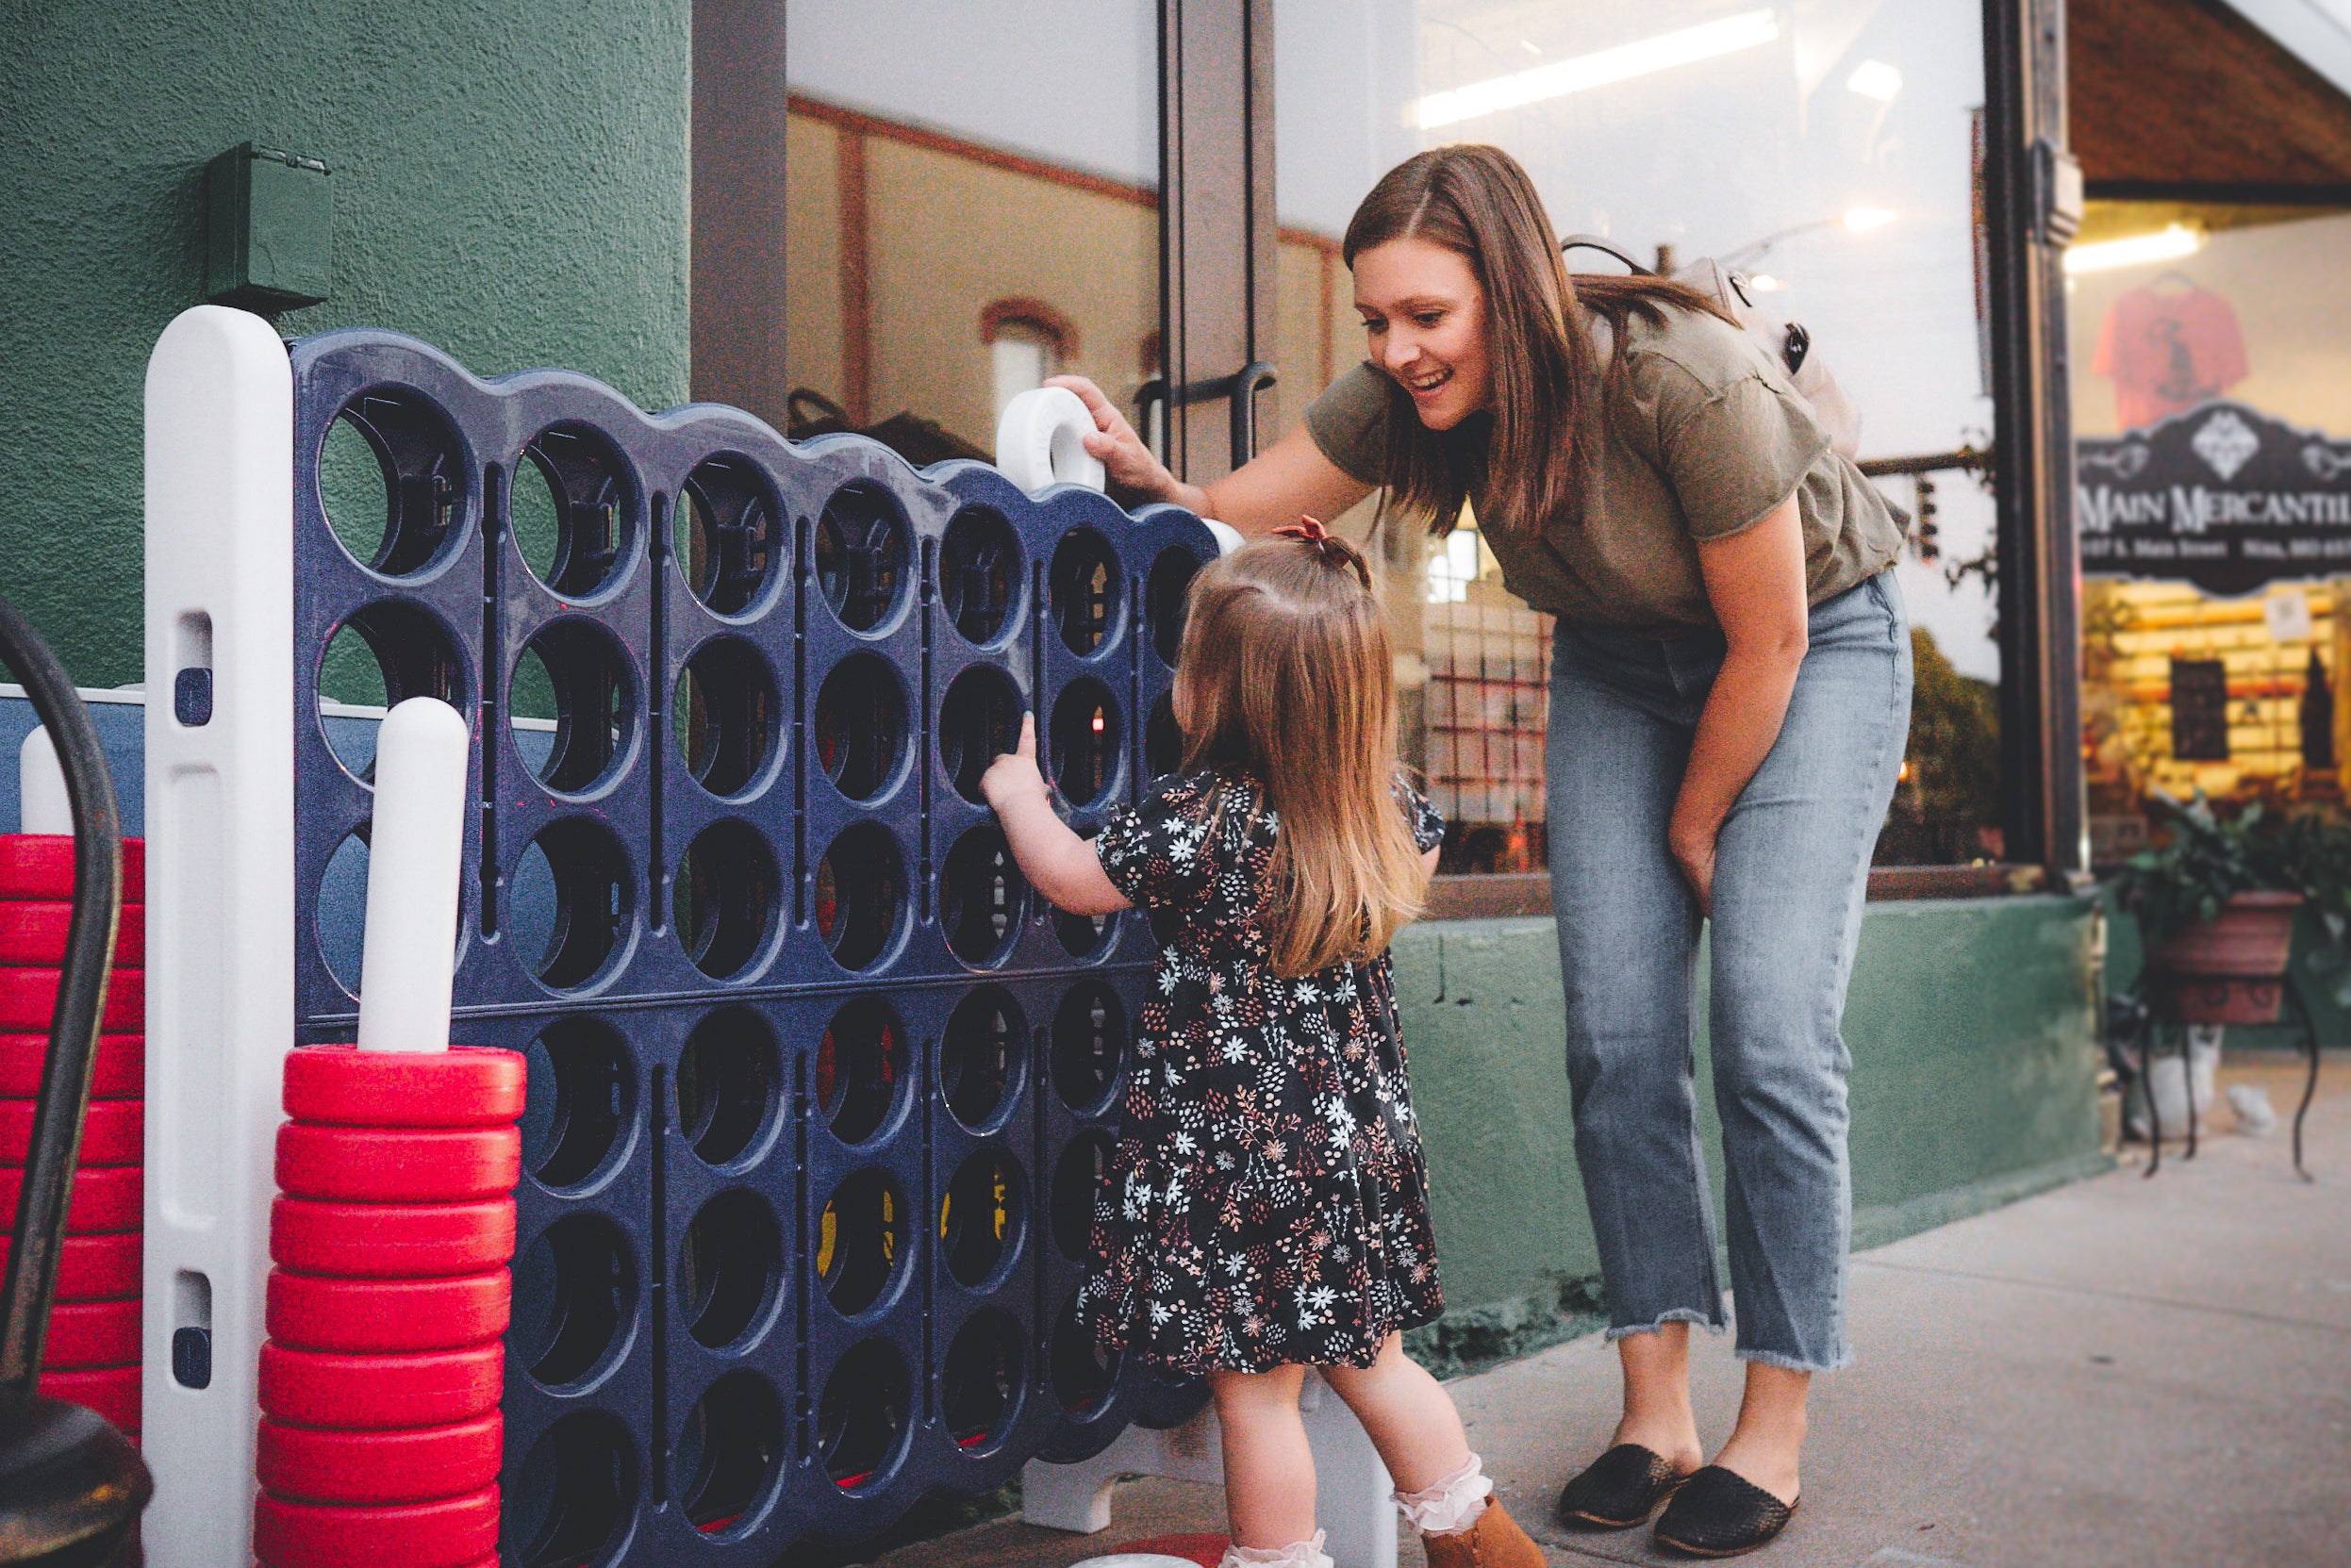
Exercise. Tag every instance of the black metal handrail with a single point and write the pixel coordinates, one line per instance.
(1242, 386)
(71, 1486)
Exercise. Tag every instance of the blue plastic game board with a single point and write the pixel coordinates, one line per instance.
(818, 1090)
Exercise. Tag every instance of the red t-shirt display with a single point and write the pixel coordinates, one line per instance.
(2167, 350)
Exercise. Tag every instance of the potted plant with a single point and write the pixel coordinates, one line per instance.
(2216, 902)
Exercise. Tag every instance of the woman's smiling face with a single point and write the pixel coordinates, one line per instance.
(1425, 322)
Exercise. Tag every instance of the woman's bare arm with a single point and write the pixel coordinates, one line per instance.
(1755, 580)
(1269, 491)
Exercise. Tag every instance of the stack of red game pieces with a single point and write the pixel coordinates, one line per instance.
(92, 1352)
(380, 1436)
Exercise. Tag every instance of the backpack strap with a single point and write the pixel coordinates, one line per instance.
(1606, 247)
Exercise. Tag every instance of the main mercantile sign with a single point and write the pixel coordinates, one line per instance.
(2222, 496)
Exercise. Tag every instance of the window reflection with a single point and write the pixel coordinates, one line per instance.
(1826, 148)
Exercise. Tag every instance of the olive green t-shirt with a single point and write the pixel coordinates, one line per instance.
(1705, 437)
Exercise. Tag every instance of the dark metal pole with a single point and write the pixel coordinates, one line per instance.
(57, 1134)
(2030, 202)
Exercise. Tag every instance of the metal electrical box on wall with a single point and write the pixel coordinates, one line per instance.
(269, 229)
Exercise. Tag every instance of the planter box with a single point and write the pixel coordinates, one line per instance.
(2232, 969)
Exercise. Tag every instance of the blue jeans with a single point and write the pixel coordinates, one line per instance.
(1791, 871)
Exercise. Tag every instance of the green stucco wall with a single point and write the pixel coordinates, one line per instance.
(511, 183)
(1974, 1056)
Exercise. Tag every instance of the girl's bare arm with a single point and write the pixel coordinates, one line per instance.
(1058, 864)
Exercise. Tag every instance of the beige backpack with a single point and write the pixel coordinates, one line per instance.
(1784, 340)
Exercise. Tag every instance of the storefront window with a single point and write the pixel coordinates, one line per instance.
(1826, 148)
(975, 207)
(2215, 424)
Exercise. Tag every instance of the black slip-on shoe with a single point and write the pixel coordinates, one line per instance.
(1721, 1513)
(1619, 1490)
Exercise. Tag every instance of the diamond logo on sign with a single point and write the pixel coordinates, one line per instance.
(2226, 443)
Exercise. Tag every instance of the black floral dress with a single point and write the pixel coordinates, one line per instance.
(1268, 1204)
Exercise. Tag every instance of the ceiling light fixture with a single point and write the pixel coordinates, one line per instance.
(2139, 250)
(1861, 219)
(1875, 80)
(1709, 40)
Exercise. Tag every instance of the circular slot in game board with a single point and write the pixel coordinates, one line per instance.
(981, 1218)
(572, 704)
(1089, 1043)
(1083, 936)
(861, 1064)
(580, 1105)
(729, 1453)
(573, 509)
(861, 1236)
(1087, 737)
(572, 1503)
(861, 726)
(979, 575)
(726, 716)
(342, 909)
(1165, 591)
(864, 549)
(727, 1269)
(1083, 584)
(729, 1084)
(980, 1056)
(383, 654)
(982, 895)
(725, 898)
(1078, 1176)
(574, 1300)
(569, 903)
(1163, 738)
(393, 481)
(861, 895)
(980, 1382)
(979, 719)
(729, 534)
(1083, 1372)
(862, 1416)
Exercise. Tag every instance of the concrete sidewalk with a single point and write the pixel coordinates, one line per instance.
(2128, 1372)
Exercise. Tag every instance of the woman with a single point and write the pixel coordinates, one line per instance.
(1730, 700)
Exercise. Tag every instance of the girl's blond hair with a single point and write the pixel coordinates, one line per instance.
(1285, 674)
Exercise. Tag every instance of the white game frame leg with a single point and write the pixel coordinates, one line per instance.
(1355, 1502)
(220, 594)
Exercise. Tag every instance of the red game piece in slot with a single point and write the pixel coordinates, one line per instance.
(103, 1202)
(29, 995)
(463, 1086)
(410, 1465)
(113, 1132)
(310, 1313)
(390, 1241)
(376, 1393)
(455, 1532)
(405, 1165)
(41, 866)
(84, 1334)
(119, 1073)
(95, 1269)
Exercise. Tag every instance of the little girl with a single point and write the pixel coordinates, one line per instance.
(1268, 1209)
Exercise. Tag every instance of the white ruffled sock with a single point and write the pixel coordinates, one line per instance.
(1450, 1503)
(1297, 1554)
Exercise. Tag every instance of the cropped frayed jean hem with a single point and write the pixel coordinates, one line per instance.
(1795, 1364)
(1712, 1322)
(1791, 870)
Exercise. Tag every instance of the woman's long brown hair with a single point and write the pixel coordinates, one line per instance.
(1529, 457)
(1285, 674)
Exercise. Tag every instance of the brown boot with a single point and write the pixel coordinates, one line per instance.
(1494, 1542)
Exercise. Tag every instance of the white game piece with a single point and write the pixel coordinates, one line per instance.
(414, 851)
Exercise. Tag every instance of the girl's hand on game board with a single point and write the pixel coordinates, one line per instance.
(1014, 775)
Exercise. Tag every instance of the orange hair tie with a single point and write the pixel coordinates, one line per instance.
(1333, 551)
(1309, 529)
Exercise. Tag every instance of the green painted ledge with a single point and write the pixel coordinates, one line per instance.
(1973, 1028)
